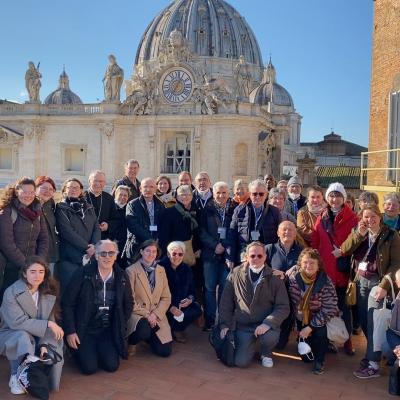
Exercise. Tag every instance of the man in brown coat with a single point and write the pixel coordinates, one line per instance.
(254, 303)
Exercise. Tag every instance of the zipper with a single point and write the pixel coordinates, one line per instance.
(29, 241)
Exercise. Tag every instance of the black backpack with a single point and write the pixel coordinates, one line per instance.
(224, 348)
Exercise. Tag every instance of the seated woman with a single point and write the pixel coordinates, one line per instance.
(183, 310)
(27, 315)
(152, 300)
(95, 307)
(314, 300)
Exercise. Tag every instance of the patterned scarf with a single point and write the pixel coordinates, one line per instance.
(150, 272)
(304, 306)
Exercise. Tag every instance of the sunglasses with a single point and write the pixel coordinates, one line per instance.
(107, 253)
(176, 254)
(256, 256)
(255, 194)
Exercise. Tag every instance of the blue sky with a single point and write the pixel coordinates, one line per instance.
(321, 50)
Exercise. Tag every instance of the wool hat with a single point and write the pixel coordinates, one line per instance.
(295, 180)
(336, 187)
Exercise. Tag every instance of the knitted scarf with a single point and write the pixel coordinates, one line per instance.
(150, 272)
(187, 215)
(304, 306)
(31, 212)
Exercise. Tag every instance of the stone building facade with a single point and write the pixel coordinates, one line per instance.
(199, 98)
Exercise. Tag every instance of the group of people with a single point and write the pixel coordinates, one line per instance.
(103, 272)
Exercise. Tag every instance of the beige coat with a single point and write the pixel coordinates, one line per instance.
(146, 302)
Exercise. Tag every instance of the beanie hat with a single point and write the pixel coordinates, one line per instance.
(336, 187)
(295, 180)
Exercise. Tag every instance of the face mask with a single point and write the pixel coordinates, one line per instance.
(256, 270)
(294, 196)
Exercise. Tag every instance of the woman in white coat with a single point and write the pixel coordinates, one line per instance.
(27, 315)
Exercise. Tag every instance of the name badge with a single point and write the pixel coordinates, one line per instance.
(153, 228)
(363, 266)
(222, 233)
(255, 235)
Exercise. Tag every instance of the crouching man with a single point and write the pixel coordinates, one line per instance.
(254, 304)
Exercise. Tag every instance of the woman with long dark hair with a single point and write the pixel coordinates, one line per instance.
(22, 229)
(28, 317)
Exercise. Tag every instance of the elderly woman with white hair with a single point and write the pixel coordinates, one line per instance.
(277, 198)
(391, 208)
(183, 309)
(96, 307)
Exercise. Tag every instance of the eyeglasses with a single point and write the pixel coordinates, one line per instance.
(255, 194)
(256, 256)
(107, 253)
(174, 254)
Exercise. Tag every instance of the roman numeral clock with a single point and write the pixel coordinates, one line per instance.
(177, 85)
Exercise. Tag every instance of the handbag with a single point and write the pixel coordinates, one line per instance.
(381, 318)
(33, 374)
(189, 257)
(224, 348)
(337, 331)
(351, 291)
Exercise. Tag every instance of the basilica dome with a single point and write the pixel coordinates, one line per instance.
(63, 95)
(212, 27)
(269, 91)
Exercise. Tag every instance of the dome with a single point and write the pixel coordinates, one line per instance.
(63, 95)
(271, 92)
(212, 27)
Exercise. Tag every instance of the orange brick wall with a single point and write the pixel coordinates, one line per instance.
(385, 66)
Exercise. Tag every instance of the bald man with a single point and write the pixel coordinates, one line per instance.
(144, 214)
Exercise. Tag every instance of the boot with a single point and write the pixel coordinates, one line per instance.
(394, 387)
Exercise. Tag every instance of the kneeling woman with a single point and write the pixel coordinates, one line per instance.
(314, 300)
(152, 300)
(96, 306)
(27, 315)
(183, 310)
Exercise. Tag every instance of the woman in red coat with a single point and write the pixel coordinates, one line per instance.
(332, 228)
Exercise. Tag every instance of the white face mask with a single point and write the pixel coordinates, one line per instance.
(294, 196)
(256, 270)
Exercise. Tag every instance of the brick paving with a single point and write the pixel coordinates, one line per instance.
(193, 373)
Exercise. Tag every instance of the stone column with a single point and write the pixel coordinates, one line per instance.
(107, 150)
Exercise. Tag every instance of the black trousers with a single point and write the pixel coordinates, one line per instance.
(97, 351)
(345, 309)
(318, 341)
(145, 333)
(191, 313)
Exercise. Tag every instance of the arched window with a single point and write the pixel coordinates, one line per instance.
(240, 160)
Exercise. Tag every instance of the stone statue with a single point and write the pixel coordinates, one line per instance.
(242, 77)
(112, 81)
(267, 146)
(32, 82)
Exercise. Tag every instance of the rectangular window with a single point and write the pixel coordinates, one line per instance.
(6, 158)
(177, 153)
(74, 159)
(394, 133)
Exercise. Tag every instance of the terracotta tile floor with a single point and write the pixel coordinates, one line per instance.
(193, 373)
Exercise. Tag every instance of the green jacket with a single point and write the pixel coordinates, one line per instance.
(388, 252)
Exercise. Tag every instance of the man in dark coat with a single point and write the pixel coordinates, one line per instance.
(102, 202)
(295, 199)
(96, 307)
(144, 215)
(203, 193)
(253, 221)
(130, 179)
(214, 224)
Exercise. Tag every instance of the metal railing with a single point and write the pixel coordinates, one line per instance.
(391, 168)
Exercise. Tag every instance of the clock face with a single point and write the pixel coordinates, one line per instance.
(177, 86)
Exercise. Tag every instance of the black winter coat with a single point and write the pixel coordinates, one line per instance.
(117, 228)
(243, 222)
(76, 233)
(78, 305)
(125, 181)
(138, 219)
(210, 221)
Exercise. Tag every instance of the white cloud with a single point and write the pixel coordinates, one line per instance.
(23, 94)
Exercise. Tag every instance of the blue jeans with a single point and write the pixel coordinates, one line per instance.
(215, 273)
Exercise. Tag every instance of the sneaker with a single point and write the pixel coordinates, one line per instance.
(318, 368)
(366, 373)
(267, 362)
(15, 386)
(332, 348)
(364, 363)
(348, 348)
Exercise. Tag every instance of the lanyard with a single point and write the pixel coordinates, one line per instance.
(150, 210)
(105, 280)
(257, 218)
